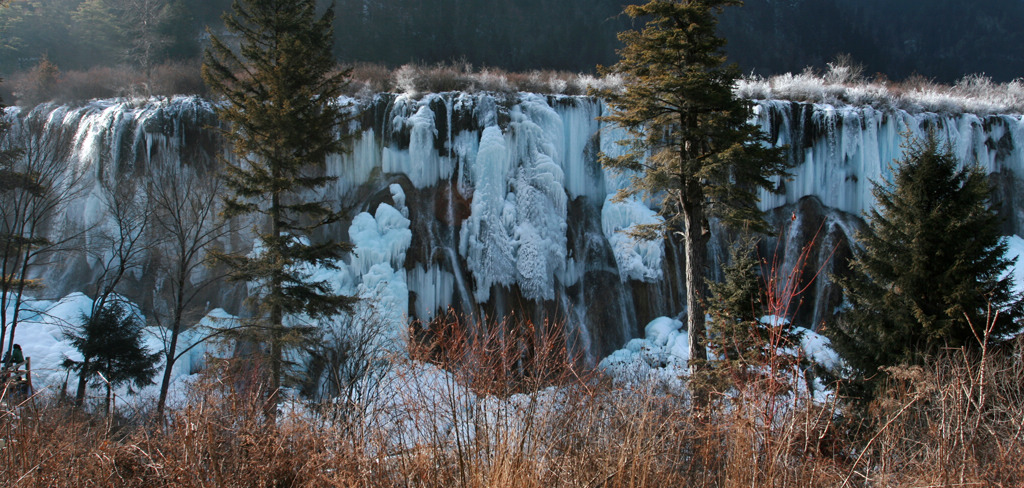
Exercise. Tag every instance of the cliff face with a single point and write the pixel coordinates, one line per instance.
(838, 152)
(496, 204)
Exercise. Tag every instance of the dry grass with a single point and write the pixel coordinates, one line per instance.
(956, 423)
(495, 417)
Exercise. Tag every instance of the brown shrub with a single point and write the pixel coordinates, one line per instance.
(954, 423)
(371, 78)
(38, 84)
(499, 358)
(45, 84)
(178, 78)
(97, 82)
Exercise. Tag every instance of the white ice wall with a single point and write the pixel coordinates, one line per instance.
(857, 145)
(520, 160)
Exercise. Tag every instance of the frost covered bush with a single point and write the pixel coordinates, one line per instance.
(843, 85)
(844, 70)
(585, 83)
(415, 80)
(405, 80)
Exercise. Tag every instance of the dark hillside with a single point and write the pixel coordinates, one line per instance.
(938, 39)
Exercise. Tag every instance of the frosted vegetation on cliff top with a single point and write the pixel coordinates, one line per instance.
(844, 85)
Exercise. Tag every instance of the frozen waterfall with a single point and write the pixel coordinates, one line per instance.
(491, 204)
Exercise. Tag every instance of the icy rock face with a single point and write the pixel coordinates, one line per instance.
(637, 259)
(103, 144)
(494, 204)
(813, 243)
(839, 151)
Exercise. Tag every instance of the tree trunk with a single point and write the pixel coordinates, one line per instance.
(19, 297)
(82, 378)
(695, 240)
(179, 306)
(276, 314)
(275, 360)
(165, 383)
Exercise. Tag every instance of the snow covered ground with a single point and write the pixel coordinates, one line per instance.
(41, 334)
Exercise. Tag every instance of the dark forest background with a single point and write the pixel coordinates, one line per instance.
(938, 39)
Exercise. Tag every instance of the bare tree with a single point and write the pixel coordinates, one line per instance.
(123, 248)
(349, 365)
(185, 215)
(37, 187)
(143, 19)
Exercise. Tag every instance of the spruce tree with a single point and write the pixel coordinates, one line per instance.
(281, 108)
(691, 145)
(930, 269)
(751, 341)
(736, 336)
(113, 353)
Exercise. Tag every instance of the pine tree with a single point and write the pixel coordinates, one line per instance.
(750, 334)
(736, 305)
(692, 146)
(930, 270)
(113, 353)
(280, 104)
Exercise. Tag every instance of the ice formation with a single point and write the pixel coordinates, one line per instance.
(420, 161)
(658, 360)
(840, 150)
(486, 239)
(379, 238)
(637, 259)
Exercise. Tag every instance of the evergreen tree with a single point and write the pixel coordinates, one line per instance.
(750, 334)
(692, 147)
(120, 248)
(930, 269)
(139, 32)
(94, 25)
(113, 353)
(281, 106)
(736, 305)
